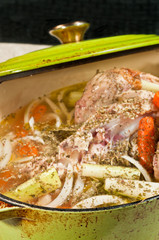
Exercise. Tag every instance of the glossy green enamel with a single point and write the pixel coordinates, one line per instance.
(75, 51)
(139, 221)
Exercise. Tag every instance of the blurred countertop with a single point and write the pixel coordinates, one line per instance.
(10, 50)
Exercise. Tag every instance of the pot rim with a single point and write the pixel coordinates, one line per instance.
(20, 204)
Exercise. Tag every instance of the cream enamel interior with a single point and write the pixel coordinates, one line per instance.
(19, 92)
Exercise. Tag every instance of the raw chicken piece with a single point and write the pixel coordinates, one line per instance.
(108, 126)
(103, 88)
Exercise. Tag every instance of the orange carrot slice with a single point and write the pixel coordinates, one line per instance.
(4, 179)
(156, 99)
(26, 150)
(146, 142)
(20, 131)
(39, 111)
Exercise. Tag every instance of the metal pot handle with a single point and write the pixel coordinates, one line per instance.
(70, 32)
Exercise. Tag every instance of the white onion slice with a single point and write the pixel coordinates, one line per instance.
(1, 150)
(61, 104)
(140, 167)
(7, 151)
(53, 106)
(44, 200)
(33, 138)
(56, 117)
(58, 120)
(31, 123)
(68, 114)
(95, 201)
(27, 112)
(66, 190)
(24, 160)
(78, 187)
(60, 168)
(10, 136)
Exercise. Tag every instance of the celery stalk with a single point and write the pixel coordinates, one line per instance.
(37, 186)
(131, 188)
(73, 97)
(149, 86)
(104, 171)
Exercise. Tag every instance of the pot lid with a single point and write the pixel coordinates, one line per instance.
(75, 51)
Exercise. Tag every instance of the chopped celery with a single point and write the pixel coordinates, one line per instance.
(37, 186)
(131, 188)
(149, 86)
(104, 171)
(73, 97)
(101, 200)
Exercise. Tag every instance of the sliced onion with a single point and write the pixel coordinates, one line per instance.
(10, 136)
(1, 150)
(61, 104)
(24, 160)
(31, 123)
(66, 190)
(60, 168)
(68, 114)
(78, 187)
(44, 200)
(27, 112)
(53, 106)
(140, 167)
(33, 138)
(95, 201)
(58, 120)
(7, 151)
(56, 117)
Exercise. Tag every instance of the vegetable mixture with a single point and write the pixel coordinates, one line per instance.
(89, 145)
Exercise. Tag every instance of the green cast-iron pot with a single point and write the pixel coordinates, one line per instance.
(27, 77)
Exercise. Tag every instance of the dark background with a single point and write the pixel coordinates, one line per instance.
(28, 21)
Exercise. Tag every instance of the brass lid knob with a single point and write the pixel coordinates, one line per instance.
(70, 32)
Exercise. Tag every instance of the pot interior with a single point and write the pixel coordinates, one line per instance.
(19, 92)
